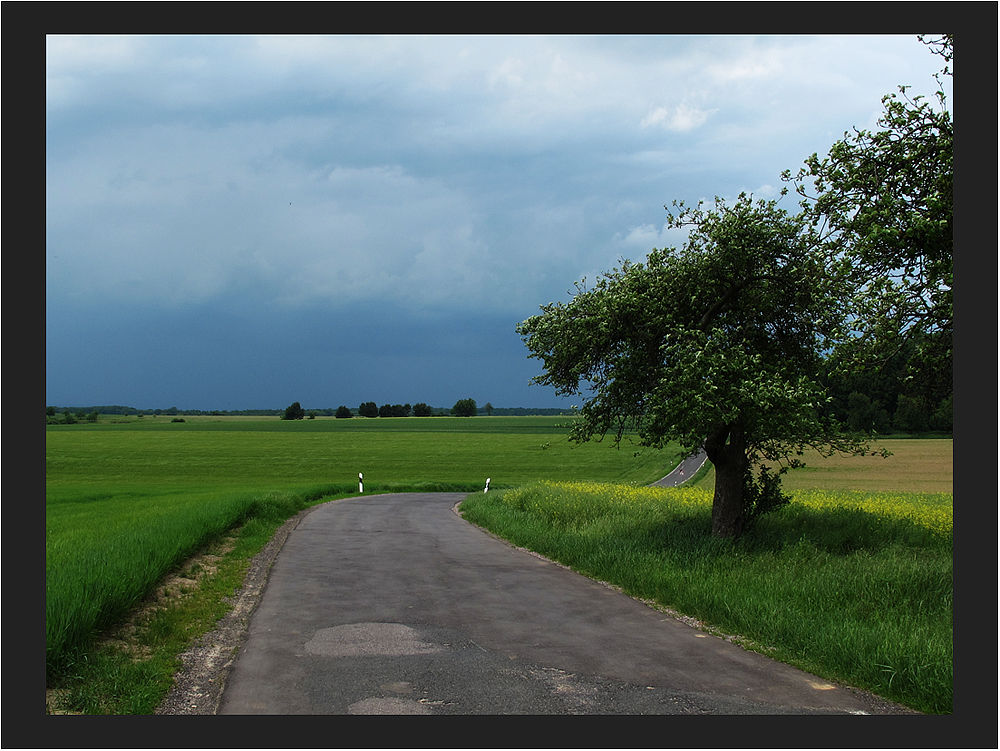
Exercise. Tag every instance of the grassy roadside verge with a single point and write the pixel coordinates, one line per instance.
(128, 665)
(854, 587)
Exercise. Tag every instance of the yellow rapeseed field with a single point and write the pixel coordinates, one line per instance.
(582, 502)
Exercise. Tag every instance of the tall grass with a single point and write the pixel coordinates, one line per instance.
(854, 587)
(105, 552)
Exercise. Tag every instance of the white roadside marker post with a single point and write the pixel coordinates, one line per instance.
(361, 483)
(487, 485)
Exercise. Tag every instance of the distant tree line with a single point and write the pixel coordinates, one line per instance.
(295, 411)
(909, 393)
(69, 416)
(906, 395)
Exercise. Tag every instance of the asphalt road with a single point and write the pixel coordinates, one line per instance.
(683, 471)
(394, 604)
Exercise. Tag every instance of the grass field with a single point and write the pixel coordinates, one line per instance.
(253, 453)
(128, 501)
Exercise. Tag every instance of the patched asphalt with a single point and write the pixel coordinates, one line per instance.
(394, 604)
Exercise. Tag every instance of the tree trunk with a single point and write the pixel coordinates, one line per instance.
(730, 460)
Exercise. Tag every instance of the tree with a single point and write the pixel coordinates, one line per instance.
(465, 408)
(865, 415)
(294, 412)
(489, 409)
(420, 409)
(368, 409)
(883, 199)
(343, 412)
(717, 346)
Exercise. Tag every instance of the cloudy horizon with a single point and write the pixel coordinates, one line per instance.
(241, 222)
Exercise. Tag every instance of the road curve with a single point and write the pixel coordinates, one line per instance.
(394, 604)
(683, 471)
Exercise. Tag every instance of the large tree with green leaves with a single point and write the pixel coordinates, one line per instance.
(717, 345)
(883, 199)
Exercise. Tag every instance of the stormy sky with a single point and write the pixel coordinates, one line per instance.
(240, 222)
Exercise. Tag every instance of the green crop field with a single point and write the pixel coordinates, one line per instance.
(249, 453)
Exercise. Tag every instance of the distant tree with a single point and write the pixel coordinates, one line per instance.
(421, 410)
(465, 408)
(368, 409)
(400, 410)
(68, 417)
(489, 409)
(50, 411)
(343, 412)
(385, 410)
(92, 417)
(912, 414)
(312, 414)
(294, 412)
(943, 418)
(865, 415)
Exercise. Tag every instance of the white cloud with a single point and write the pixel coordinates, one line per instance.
(681, 118)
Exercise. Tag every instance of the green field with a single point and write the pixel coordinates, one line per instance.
(129, 501)
(126, 502)
(251, 453)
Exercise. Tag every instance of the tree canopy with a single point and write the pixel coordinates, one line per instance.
(883, 198)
